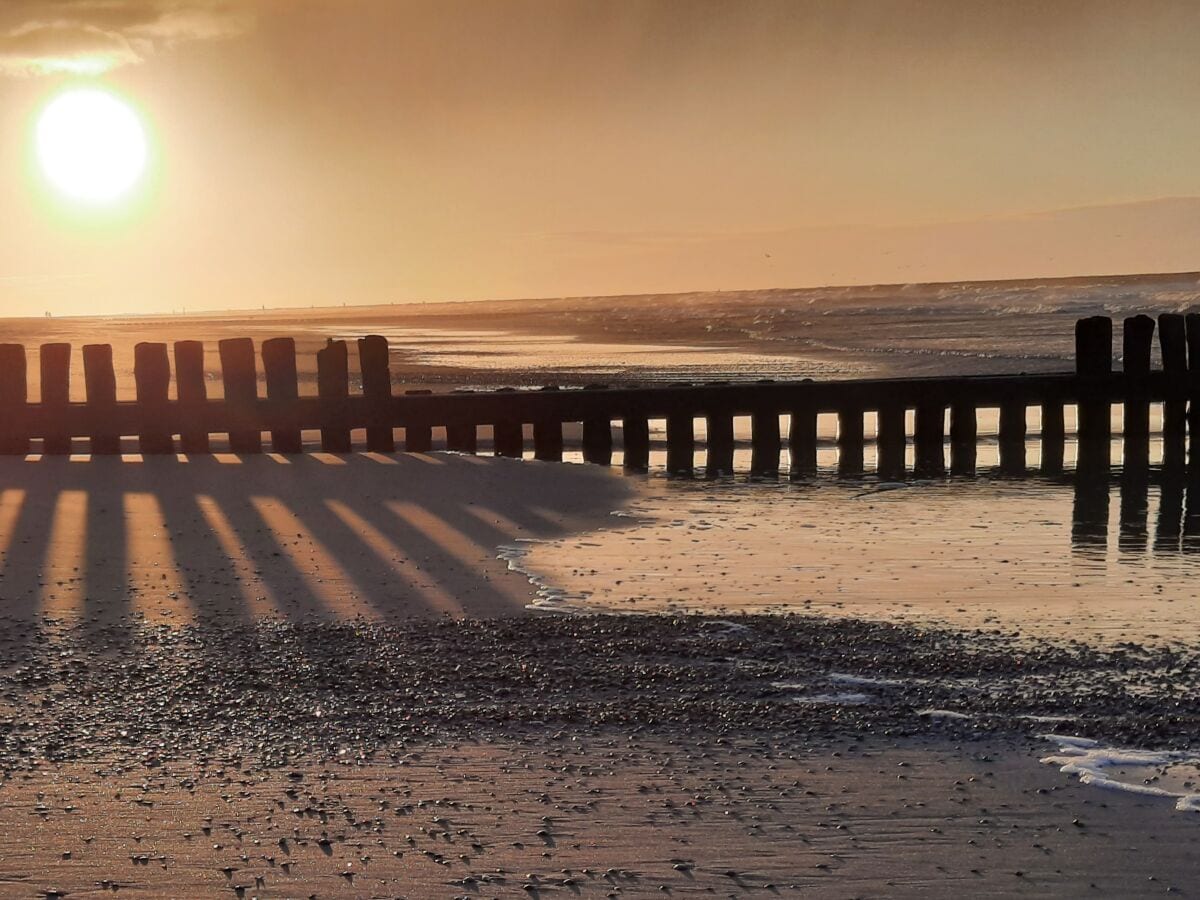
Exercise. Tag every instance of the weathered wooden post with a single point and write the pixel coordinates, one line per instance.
(1192, 336)
(100, 383)
(929, 440)
(597, 435)
(508, 435)
(802, 442)
(891, 441)
(681, 443)
(547, 436)
(635, 443)
(1172, 342)
(765, 443)
(55, 365)
(1011, 438)
(964, 437)
(418, 434)
(152, 380)
(1138, 339)
(283, 388)
(718, 444)
(461, 437)
(192, 392)
(333, 387)
(374, 363)
(850, 440)
(14, 394)
(239, 375)
(1093, 365)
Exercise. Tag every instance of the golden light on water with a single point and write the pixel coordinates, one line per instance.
(91, 146)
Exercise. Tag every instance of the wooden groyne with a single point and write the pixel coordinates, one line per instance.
(944, 409)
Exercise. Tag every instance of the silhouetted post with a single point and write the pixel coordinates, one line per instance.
(55, 364)
(100, 383)
(239, 375)
(929, 440)
(1172, 342)
(1012, 437)
(192, 392)
(597, 436)
(547, 437)
(850, 440)
(681, 443)
(152, 378)
(1093, 365)
(1053, 437)
(14, 394)
(1192, 332)
(374, 362)
(418, 436)
(461, 438)
(333, 387)
(635, 443)
(718, 445)
(802, 442)
(508, 437)
(283, 388)
(964, 436)
(765, 443)
(1138, 339)
(891, 441)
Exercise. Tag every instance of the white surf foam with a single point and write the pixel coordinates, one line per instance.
(1149, 773)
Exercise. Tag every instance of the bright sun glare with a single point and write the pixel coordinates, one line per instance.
(91, 145)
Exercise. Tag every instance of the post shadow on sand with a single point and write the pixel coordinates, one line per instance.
(462, 503)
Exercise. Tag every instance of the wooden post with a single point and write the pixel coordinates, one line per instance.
(283, 388)
(1172, 342)
(508, 437)
(635, 443)
(964, 437)
(1053, 437)
(1012, 437)
(891, 441)
(418, 436)
(374, 362)
(597, 436)
(333, 387)
(240, 377)
(101, 385)
(152, 377)
(681, 444)
(850, 441)
(14, 394)
(718, 446)
(802, 443)
(1137, 341)
(1192, 334)
(929, 440)
(461, 438)
(765, 443)
(55, 364)
(1093, 364)
(547, 437)
(192, 392)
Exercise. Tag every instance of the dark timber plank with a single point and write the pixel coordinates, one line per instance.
(14, 393)
(374, 362)
(283, 387)
(152, 380)
(100, 382)
(192, 391)
(239, 375)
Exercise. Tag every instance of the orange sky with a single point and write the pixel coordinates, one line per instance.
(365, 151)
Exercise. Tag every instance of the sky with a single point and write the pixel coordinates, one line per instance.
(320, 152)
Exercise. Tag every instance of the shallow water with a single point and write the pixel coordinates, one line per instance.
(1105, 558)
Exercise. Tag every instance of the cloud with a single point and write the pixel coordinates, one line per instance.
(39, 37)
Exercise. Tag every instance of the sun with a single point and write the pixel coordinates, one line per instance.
(91, 145)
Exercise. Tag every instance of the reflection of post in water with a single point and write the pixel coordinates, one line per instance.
(1089, 516)
(1135, 502)
(1191, 514)
(1172, 479)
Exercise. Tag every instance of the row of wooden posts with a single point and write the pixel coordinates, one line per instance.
(164, 424)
